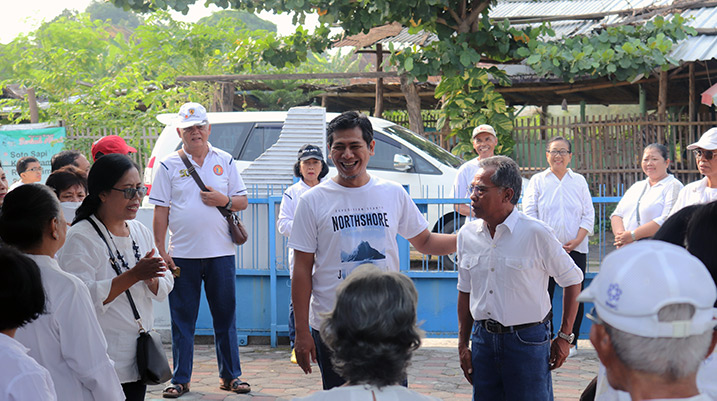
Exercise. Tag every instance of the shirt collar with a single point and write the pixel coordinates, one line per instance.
(509, 222)
(570, 173)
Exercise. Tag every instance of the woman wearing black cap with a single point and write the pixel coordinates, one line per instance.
(310, 168)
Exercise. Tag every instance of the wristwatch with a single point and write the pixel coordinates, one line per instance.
(566, 337)
(228, 206)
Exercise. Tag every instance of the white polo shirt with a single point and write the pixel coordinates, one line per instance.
(21, 377)
(196, 230)
(507, 275)
(565, 205)
(655, 202)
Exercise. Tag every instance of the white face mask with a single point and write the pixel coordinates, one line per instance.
(69, 208)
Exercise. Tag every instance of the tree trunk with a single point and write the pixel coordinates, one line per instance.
(223, 100)
(378, 109)
(32, 102)
(413, 104)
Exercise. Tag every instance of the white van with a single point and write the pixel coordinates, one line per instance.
(400, 155)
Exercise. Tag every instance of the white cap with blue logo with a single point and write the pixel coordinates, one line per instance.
(636, 281)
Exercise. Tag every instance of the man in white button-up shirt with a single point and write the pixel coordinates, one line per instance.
(505, 259)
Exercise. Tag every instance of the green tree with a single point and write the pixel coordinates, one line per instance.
(466, 36)
(244, 20)
(103, 11)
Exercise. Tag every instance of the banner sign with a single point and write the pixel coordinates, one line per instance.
(39, 143)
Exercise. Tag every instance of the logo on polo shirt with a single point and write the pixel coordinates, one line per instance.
(218, 170)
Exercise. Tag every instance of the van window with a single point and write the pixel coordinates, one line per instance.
(425, 145)
(384, 151)
(261, 138)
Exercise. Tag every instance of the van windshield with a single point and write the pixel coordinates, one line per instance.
(425, 145)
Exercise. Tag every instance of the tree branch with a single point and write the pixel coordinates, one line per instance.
(455, 16)
(443, 21)
(473, 16)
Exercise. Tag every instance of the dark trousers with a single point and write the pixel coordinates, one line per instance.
(581, 260)
(219, 278)
(134, 391)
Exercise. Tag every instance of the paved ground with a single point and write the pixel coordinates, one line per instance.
(434, 371)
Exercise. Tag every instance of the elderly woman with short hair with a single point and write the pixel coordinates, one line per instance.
(372, 332)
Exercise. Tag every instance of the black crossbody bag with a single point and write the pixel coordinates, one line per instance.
(151, 360)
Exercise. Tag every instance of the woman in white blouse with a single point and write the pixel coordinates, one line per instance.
(647, 203)
(67, 340)
(310, 168)
(704, 190)
(560, 197)
(115, 193)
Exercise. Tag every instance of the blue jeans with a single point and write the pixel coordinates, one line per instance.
(219, 277)
(512, 366)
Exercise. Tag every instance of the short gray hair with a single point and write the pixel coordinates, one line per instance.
(372, 329)
(506, 175)
(671, 358)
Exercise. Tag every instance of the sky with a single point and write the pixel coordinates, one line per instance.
(26, 15)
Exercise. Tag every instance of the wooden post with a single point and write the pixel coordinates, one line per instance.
(413, 104)
(662, 106)
(643, 100)
(378, 109)
(692, 106)
(32, 102)
(223, 100)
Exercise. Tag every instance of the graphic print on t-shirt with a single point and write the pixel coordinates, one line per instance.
(362, 234)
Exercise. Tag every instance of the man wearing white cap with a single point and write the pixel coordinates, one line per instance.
(653, 320)
(484, 142)
(199, 244)
(704, 190)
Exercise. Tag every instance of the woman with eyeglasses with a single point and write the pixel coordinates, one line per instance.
(560, 197)
(647, 203)
(704, 190)
(111, 252)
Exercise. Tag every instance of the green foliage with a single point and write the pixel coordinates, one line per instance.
(620, 52)
(242, 19)
(104, 11)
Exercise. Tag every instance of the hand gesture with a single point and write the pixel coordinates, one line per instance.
(149, 267)
(212, 197)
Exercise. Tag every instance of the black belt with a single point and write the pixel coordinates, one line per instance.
(494, 327)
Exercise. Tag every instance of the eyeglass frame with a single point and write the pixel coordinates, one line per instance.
(561, 152)
(130, 193)
(593, 316)
(702, 153)
(34, 170)
(481, 189)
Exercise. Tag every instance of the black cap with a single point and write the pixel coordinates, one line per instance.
(310, 151)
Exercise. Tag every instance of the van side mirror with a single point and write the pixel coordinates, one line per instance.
(402, 162)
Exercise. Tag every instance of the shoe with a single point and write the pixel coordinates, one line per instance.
(236, 385)
(293, 356)
(175, 390)
(573, 351)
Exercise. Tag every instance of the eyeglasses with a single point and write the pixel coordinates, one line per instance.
(130, 193)
(594, 317)
(705, 154)
(559, 152)
(35, 169)
(480, 190)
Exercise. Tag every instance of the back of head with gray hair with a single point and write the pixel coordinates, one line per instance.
(670, 358)
(506, 174)
(372, 329)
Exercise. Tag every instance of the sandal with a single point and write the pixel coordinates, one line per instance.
(176, 390)
(236, 385)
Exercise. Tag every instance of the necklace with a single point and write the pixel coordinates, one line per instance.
(120, 257)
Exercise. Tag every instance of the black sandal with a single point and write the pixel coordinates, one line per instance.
(236, 385)
(176, 390)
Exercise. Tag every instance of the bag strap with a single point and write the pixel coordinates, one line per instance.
(117, 270)
(193, 172)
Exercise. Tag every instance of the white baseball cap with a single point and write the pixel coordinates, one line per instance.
(636, 281)
(483, 128)
(708, 140)
(191, 114)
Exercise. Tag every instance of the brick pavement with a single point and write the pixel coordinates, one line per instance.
(434, 371)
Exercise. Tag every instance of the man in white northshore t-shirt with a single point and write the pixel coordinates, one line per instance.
(484, 142)
(344, 222)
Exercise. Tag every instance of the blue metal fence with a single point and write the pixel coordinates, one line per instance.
(263, 284)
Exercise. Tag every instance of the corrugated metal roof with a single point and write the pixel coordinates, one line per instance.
(421, 38)
(700, 47)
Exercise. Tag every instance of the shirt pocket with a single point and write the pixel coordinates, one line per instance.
(520, 273)
(477, 267)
